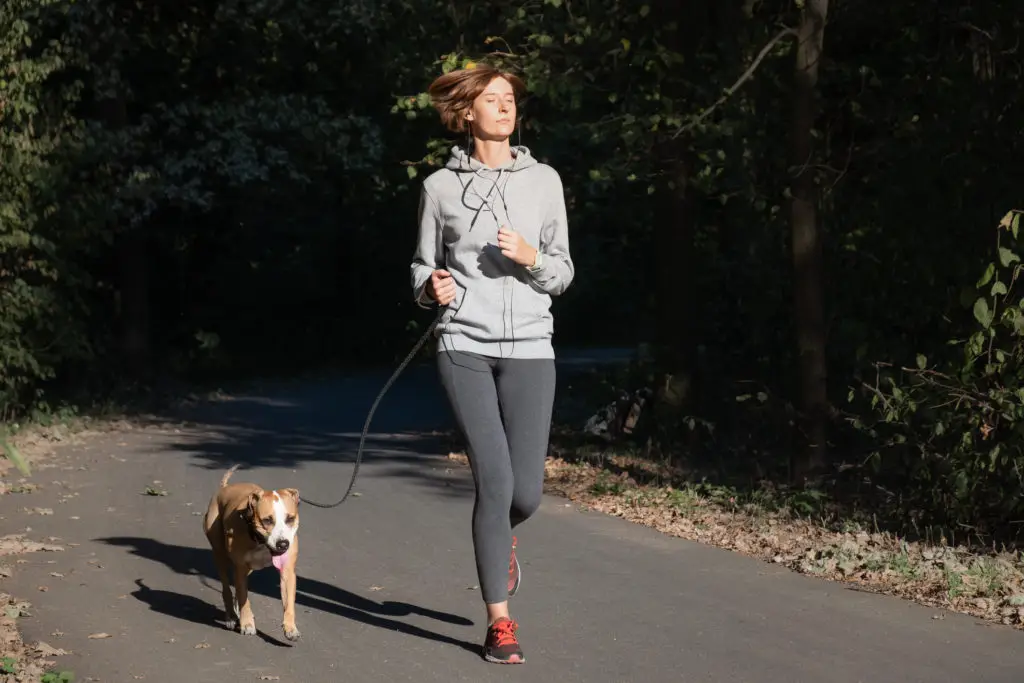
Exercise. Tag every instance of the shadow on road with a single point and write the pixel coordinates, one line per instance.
(309, 593)
(289, 425)
(187, 607)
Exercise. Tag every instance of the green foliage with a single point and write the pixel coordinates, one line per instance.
(11, 453)
(227, 188)
(38, 329)
(952, 428)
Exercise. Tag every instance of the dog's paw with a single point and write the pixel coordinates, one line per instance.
(231, 624)
(248, 629)
(292, 634)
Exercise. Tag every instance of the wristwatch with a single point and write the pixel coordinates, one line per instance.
(537, 261)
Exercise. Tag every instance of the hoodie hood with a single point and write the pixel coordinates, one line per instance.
(459, 160)
(484, 189)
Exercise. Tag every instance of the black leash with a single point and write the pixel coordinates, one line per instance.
(373, 409)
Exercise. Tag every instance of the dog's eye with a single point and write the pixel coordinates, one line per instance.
(289, 520)
(268, 521)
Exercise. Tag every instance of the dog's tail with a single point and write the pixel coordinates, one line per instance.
(227, 475)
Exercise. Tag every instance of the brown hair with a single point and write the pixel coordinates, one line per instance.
(453, 93)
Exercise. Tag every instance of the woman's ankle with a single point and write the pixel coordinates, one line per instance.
(496, 611)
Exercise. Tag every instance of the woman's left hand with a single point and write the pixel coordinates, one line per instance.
(513, 246)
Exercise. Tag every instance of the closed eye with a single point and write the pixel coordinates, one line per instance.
(289, 520)
(268, 521)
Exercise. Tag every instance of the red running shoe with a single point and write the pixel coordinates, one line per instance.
(514, 573)
(501, 646)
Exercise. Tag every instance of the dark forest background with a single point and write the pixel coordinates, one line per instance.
(802, 211)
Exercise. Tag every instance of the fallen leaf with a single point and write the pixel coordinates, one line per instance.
(57, 575)
(268, 677)
(202, 646)
(98, 636)
(376, 588)
(16, 544)
(47, 650)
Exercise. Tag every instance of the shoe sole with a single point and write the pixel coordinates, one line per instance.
(494, 660)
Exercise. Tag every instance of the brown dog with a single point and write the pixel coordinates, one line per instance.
(250, 529)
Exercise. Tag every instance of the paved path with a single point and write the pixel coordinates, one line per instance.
(387, 587)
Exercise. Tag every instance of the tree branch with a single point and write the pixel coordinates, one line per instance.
(747, 75)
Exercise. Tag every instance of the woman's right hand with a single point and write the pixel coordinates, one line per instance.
(441, 287)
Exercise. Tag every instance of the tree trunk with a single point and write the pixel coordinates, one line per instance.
(806, 246)
(133, 272)
(677, 342)
(674, 239)
(133, 266)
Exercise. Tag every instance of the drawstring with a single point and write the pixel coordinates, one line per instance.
(507, 305)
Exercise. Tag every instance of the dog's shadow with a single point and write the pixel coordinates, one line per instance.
(309, 593)
(187, 607)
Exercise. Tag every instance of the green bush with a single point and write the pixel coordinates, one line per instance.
(951, 431)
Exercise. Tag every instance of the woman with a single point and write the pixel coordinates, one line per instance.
(493, 248)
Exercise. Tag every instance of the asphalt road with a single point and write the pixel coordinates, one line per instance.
(387, 589)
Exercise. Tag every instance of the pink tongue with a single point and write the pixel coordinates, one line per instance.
(278, 560)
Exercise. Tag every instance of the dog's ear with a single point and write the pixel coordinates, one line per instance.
(250, 508)
(291, 493)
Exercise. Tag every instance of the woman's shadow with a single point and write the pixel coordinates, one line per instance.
(309, 593)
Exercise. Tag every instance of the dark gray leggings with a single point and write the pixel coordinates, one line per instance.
(506, 456)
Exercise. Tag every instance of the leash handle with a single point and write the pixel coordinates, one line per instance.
(373, 409)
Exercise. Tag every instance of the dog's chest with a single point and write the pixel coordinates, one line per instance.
(258, 558)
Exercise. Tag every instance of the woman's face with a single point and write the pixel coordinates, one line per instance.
(493, 113)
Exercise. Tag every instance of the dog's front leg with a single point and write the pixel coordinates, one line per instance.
(288, 580)
(246, 620)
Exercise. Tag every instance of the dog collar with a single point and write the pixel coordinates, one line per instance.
(254, 535)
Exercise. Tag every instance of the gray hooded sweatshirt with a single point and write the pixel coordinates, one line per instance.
(501, 309)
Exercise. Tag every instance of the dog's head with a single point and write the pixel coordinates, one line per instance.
(274, 516)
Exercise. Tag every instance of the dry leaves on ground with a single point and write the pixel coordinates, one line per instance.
(17, 544)
(20, 663)
(987, 586)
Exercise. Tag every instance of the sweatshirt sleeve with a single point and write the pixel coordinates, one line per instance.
(555, 271)
(429, 254)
